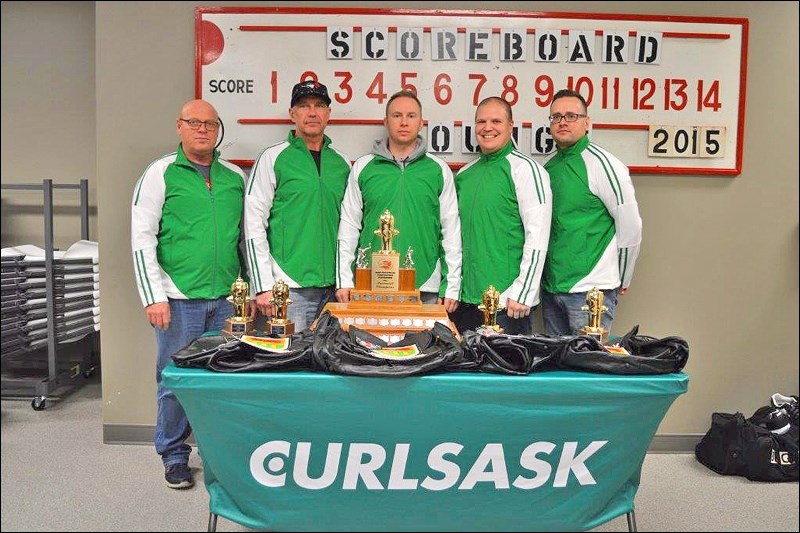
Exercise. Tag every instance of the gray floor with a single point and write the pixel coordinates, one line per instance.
(57, 475)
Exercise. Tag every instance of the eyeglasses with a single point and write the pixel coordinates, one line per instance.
(211, 125)
(569, 117)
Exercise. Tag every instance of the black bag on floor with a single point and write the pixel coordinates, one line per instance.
(734, 446)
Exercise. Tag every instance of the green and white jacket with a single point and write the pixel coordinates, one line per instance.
(505, 204)
(292, 215)
(184, 236)
(420, 193)
(596, 231)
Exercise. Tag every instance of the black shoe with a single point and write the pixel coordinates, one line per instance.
(178, 476)
(773, 419)
(788, 404)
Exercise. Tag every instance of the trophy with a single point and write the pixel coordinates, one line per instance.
(386, 261)
(595, 308)
(240, 323)
(408, 272)
(280, 325)
(490, 305)
(363, 272)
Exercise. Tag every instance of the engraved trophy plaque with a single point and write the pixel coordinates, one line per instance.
(240, 323)
(595, 308)
(386, 261)
(280, 324)
(490, 305)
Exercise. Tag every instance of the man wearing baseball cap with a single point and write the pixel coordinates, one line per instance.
(292, 203)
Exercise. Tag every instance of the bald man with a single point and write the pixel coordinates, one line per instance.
(185, 231)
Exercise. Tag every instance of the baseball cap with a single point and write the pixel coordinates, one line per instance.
(310, 88)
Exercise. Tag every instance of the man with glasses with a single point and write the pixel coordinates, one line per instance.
(292, 204)
(596, 229)
(185, 231)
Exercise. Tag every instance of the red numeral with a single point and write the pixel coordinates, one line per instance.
(710, 99)
(441, 90)
(476, 95)
(510, 89)
(648, 87)
(375, 89)
(404, 77)
(544, 89)
(308, 75)
(578, 86)
(675, 87)
(273, 82)
(613, 89)
(347, 91)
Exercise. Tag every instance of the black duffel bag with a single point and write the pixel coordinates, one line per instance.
(647, 355)
(225, 353)
(352, 352)
(510, 354)
(735, 446)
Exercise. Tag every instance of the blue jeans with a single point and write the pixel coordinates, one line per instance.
(429, 297)
(189, 319)
(468, 316)
(562, 313)
(307, 304)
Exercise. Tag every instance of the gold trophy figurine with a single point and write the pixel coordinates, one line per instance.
(490, 305)
(386, 232)
(240, 323)
(280, 325)
(595, 308)
(386, 261)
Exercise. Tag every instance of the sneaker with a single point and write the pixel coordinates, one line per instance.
(773, 419)
(178, 476)
(788, 404)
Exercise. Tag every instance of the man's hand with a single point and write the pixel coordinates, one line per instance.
(342, 295)
(158, 315)
(517, 310)
(263, 304)
(623, 291)
(450, 305)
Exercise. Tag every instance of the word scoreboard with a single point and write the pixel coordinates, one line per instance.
(666, 94)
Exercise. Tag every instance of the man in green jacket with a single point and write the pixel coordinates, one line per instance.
(185, 231)
(292, 206)
(417, 188)
(505, 205)
(596, 229)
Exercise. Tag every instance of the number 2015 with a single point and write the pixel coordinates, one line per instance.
(686, 141)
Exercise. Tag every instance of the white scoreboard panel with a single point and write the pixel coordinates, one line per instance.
(666, 94)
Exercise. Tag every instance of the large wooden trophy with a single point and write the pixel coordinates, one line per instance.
(385, 301)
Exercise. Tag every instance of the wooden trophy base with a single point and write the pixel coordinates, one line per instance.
(280, 327)
(238, 326)
(362, 299)
(390, 322)
(601, 334)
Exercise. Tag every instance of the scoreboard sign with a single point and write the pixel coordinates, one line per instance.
(666, 94)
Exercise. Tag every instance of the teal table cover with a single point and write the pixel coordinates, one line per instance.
(305, 451)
